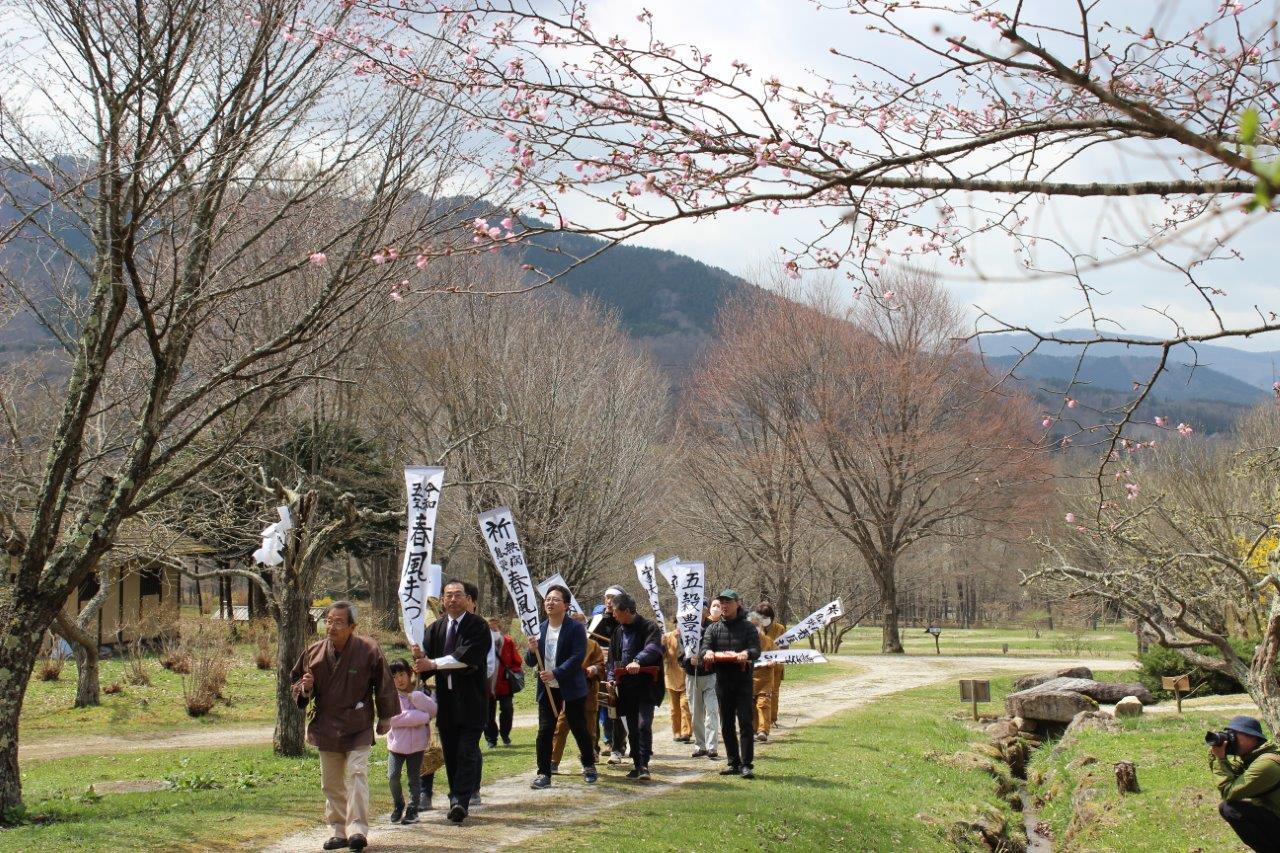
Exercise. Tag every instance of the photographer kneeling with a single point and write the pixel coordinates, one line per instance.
(1249, 781)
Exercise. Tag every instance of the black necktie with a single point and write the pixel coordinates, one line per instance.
(451, 637)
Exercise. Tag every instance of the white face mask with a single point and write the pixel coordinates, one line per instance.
(497, 636)
(765, 621)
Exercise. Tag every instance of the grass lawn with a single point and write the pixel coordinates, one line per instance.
(866, 780)
(1111, 641)
(1176, 808)
(223, 798)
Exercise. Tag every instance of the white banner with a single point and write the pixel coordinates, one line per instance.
(435, 579)
(791, 656)
(690, 599)
(273, 538)
(645, 572)
(667, 568)
(811, 624)
(499, 531)
(422, 485)
(554, 580)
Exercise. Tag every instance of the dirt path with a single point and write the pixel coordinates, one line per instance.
(506, 820)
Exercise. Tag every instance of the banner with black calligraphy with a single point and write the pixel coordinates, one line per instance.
(645, 571)
(422, 485)
(777, 657)
(811, 623)
(667, 568)
(499, 531)
(558, 580)
(690, 580)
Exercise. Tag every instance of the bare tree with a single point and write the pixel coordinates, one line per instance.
(1186, 543)
(538, 402)
(182, 171)
(893, 429)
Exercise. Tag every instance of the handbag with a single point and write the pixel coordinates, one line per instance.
(515, 680)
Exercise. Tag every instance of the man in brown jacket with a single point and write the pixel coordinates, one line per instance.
(347, 678)
(681, 719)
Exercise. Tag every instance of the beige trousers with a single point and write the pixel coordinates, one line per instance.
(345, 777)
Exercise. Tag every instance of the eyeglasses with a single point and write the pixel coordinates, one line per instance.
(337, 623)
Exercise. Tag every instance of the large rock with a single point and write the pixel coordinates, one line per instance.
(1129, 706)
(1056, 706)
(1094, 720)
(1104, 692)
(1040, 678)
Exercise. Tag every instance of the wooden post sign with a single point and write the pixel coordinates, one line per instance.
(936, 632)
(975, 690)
(1179, 684)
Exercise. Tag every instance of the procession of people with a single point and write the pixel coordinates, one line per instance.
(465, 670)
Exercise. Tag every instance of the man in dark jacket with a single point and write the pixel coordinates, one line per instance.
(347, 678)
(457, 650)
(636, 643)
(731, 646)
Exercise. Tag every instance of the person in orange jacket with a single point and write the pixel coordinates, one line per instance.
(673, 673)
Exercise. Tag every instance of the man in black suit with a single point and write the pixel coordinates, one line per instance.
(457, 651)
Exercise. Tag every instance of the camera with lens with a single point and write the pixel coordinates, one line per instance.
(1218, 738)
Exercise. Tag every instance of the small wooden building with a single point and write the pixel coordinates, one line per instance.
(144, 570)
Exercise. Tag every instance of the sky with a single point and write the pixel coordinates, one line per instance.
(789, 38)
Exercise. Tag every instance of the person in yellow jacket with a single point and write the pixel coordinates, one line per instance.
(681, 719)
(773, 629)
(593, 667)
(763, 683)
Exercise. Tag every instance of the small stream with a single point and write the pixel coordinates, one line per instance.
(1036, 843)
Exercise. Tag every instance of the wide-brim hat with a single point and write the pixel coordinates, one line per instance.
(1246, 726)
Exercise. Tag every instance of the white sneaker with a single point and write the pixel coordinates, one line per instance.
(615, 758)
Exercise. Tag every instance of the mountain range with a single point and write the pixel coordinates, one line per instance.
(668, 304)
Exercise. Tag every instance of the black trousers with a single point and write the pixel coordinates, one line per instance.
(635, 705)
(462, 760)
(575, 714)
(736, 706)
(1257, 826)
(501, 714)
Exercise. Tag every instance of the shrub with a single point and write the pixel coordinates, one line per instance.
(51, 668)
(262, 631)
(209, 657)
(135, 665)
(1159, 662)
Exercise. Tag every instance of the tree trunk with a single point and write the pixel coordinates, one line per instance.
(85, 648)
(22, 632)
(382, 575)
(890, 637)
(88, 684)
(294, 630)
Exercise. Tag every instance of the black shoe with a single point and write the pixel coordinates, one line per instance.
(493, 744)
(748, 773)
(475, 800)
(540, 782)
(699, 752)
(424, 802)
(555, 769)
(634, 773)
(589, 775)
(713, 755)
(396, 814)
(731, 770)
(457, 814)
(644, 774)
(335, 843)
(357, 842)
(506, 741)
(410, 816)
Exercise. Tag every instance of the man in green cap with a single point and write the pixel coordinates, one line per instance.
(731, 647)
(1248, 771)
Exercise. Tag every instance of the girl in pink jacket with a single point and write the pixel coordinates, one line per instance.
(408, 739)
